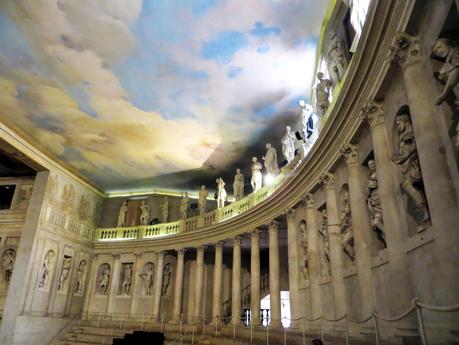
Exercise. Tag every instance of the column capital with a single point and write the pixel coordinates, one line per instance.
(237, 240)
(290, 214)
(308, 200)
(160, 252)
(255, 233)
(273, 226)
(200, 248)
(180, 251)
(116, 256)
(138, 254)
(350, 154)
(328, 180)
(219, 244)
(405, 50)
(372, 113)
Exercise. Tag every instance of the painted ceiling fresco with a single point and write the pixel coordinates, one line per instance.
(132, 94)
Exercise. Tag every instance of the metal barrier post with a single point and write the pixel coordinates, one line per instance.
(421, 324)
(346, 329)
(251, 331)
(216, 326)
(203, 325)
(375, 322)
(322, 329)
(162, 321)
(302, 331)
(234, 331)
(181, 321)
(192, 335)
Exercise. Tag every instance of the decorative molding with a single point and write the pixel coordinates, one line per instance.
(349, 152)
(308, 200)
(372, 113)
(290, 214)
(328, 180)
(405, 50)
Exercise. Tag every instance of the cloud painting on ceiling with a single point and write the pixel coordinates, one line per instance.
(130, 90)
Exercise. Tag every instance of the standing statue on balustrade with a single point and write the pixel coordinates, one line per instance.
(221, 193)
(164, 210)
(323, 89)
(184, 202)
(256, 180)
(270, 159)
(238, 185)
(288, 144)
(144, 213)
(122, 215)
(202, 201)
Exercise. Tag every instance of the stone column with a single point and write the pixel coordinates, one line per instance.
(158, 286)
(199, 284)
(114, 282)
(236, 283)
(313, 256)
(217, 288)
(360, 227)
(336, 250)
(437, 178)
(393, 217)
(90, 287)
(274, 282)
(135, 281)
(177, 309)
(293, 264)
(255, 277)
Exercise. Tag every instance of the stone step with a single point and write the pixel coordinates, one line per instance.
(95, 338)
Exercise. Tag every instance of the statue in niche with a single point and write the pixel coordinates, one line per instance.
(304, 247)
(374, 203)
(167, 274)
(81, 276)
(127, 279)
(84, 208)
(337, 59)
(288, 144)
(221, 193)
(9, 258)
(147, 277)
(270, 159)
(164, 210)
(238, 185)
(66, 266)
(256, 180)
(45, 270)
(323, 89)
(184, 201)
(144, 213)
(448, 50)
(345, 227)
(203, 194)
(407, 159)
(122, 215)
(323, 231)
(104, 279)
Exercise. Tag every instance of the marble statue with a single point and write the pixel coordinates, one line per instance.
(345, 226)
(221, 193)
(323, 89)
(122, 215)
(147, 277)
(164, 210)
(304, 246)
(449, 73)
(45, 270)
(66, 266)
(337, 60)
(270, 159)
(127, 279)
(144, 213)
(288, 144)
(407, 159)
(167, 274)
(81, 275)
(9, 258)
(202, 201)
(238, 185)
(104, 279)
(306, 111)
(256, 180)
(184, 201)
(323, 231)
(374, 203)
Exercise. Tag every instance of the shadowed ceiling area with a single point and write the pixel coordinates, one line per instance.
(160, 93)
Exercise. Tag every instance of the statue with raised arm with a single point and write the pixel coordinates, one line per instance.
(184, 202)
(288, 144)
(238, 185)
(345, 227)
(144, 213)
(221, 193)
(256, 180)
(122, 215)
(374, 203)
(202, 201)
(323, 89)
(270, 159)
(164, 210)
(407, 160)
